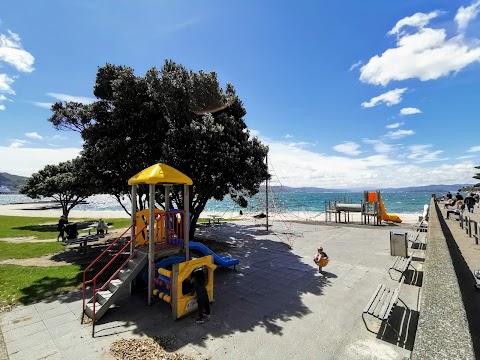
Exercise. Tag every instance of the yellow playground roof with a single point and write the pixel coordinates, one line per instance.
(160, 174)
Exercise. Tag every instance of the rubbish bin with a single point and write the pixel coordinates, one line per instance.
(398, 243)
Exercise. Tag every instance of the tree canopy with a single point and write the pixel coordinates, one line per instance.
(477, 175)
(67, 182)
(174, 116)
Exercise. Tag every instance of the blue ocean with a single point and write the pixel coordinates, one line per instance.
(395, 202)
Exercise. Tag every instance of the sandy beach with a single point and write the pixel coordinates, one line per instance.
(49, 210)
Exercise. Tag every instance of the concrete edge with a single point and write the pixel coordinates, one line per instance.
(443, 330)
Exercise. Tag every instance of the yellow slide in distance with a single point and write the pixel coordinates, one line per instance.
(385, 216)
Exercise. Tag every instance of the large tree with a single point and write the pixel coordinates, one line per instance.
(69, 183)
(175, 116)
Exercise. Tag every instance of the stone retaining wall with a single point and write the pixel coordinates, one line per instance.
(442, 331)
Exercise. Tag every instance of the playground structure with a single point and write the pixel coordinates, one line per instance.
(169, 278)
(371, 208)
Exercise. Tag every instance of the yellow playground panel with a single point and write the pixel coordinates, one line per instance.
(186, 304)
(183, 304)
(167, 225)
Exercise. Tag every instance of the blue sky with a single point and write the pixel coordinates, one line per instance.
(347, 94)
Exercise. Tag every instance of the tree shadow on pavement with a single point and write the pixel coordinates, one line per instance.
(265, 291)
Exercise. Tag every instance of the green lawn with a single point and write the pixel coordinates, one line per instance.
(44, 227)
(27, 250)
(28, 284)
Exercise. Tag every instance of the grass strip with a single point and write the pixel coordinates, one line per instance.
(29, 284)
(27, 250)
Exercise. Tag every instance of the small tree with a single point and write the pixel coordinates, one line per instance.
(68, 183)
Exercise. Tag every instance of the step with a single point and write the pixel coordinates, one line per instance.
(124, 273)
(115, 285)
(103, 296)
(89, 309)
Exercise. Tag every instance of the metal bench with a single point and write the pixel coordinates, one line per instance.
(382, 304)
(401, 265)
(413, 237)
(421, 226)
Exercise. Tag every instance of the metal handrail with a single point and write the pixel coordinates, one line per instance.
(85, 282)
(94, 279)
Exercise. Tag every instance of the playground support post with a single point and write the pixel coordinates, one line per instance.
(151, 241)
(133, 230)
(186, 220)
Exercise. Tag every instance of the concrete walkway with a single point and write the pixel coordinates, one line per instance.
(275, 306)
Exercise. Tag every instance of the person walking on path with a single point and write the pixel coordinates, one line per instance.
(203, 302)
(61, 227)
(470, 202)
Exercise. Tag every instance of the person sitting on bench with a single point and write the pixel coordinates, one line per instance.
(457, 211)
(102, 228)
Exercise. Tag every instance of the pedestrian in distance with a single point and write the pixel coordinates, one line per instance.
(470, 202)
(61, 227)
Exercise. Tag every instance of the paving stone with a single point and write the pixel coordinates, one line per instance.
(60, 319)
(45, 350)
(22, 332)
(28, 342)
(54, 312)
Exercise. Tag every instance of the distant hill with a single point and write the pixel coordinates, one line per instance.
(439, 189)
(288, 189)
(13, 182)
(433, 188)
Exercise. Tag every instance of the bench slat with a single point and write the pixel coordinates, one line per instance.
(378, 306)
(387, 305)
(372, 299)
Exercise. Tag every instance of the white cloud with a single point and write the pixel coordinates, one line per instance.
(34, 135)
(348, 148)
(357, 64)
(379, 146)
(394, 126)
(418, 20)
(410, 111)
(16, 143)
(182, 25)
(43, 105)
(5, 82)
(288, 136)
(398, 134)
(466, 14)
(466, 157)
(426, 54)
(422, 153)
(301, 167)
(12, 53)
(67, 98)
(474, 149)
(389, 98)
(25, 161)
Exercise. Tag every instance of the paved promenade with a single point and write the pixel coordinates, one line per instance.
(275, 306)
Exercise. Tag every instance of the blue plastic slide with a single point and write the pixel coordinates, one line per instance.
(225, 261)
